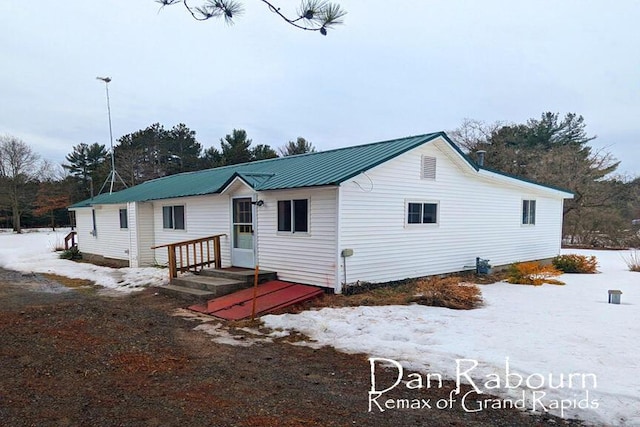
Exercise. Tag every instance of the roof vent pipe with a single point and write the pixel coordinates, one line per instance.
(481, 154)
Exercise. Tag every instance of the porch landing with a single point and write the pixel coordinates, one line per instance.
(271, 296)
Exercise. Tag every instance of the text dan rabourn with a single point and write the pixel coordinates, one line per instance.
(531, 390)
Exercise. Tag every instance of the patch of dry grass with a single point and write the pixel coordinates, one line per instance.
(633, 260)
(82, 285)
(450, 292)
(456, 292)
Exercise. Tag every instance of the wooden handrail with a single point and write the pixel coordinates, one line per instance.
(191, 255)
(71, 236)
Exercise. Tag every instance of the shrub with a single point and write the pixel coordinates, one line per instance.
(71, 253)
(447, 292)
(573, 263)
(58, 245)
(633, 260)
(532, 273)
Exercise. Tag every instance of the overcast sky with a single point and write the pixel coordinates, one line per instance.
(394, 69)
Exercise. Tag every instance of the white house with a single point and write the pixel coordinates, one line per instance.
(391, 210)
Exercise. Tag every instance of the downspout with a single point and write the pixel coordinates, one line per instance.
(337, 280)
(256, 207)
(131, 252)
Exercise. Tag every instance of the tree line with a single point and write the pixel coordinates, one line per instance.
(551, 150)
(36, 193)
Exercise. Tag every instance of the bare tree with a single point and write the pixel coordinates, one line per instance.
(300, 146)
(311, 15)
(18, 167)
(473, 132)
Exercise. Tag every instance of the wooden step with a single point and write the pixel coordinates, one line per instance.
(186, 294)
(240, 275)
(217, 285)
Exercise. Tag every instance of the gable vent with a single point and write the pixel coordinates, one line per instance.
(428, 168)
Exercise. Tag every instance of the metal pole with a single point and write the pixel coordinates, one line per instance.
(113, 157)
(113, 173)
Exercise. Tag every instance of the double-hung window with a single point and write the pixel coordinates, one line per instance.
(422, 213)
(173, 217)
(528, 212)
(293, 216)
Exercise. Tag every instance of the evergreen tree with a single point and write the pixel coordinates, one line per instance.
(235, 148)
(212, 158)
(311, 15)
(84, 164)
(155, 152)
(183, 151)
(263, 152)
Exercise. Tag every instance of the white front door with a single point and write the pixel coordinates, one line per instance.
(242, 248)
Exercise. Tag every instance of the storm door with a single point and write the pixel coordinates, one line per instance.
(242, 250)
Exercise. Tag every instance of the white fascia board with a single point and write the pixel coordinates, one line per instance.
(233, 183)
(525, 184)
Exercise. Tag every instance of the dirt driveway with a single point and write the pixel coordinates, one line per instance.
(77, 358)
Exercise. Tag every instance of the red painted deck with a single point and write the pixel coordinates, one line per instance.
(271, 296)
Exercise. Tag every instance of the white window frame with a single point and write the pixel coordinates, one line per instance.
(172, 219)
(292, 221)
(422, 203)
(526, 218)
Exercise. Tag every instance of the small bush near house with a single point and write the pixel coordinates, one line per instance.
(532, 273)
(72, 254)
(573, 263)
(447, 292)
(633, 260)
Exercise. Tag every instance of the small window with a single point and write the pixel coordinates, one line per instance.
(124, 221)
(428, 170)
(173, 217)
(94, 231)
(528, 212)
(293, 216)
(422, 213)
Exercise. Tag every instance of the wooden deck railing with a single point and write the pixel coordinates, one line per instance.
(191, 255)
(70, 237)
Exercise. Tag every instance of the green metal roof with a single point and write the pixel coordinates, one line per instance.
(305, 170)
(330, 167)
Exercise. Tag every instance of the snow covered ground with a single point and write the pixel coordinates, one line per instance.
(538, 331)
(547, 330)
(33, 252)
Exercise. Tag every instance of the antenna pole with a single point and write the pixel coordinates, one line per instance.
(113, 174)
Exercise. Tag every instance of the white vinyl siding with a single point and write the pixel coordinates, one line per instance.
(204, 216)
(142, 239)
(479, 215)
(303, 257)
(110, 240)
